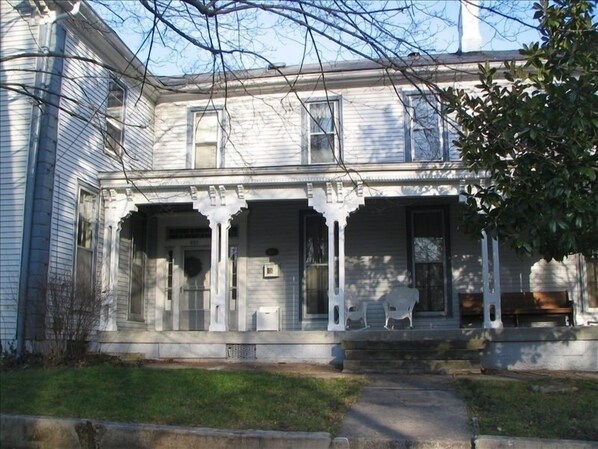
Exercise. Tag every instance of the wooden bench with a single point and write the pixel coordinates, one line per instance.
(517, 305)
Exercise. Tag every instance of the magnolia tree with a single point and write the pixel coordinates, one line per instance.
(532, 128)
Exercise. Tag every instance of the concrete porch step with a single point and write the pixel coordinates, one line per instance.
(426, 356)
(406, 354)
(415, 345)
(411, 366)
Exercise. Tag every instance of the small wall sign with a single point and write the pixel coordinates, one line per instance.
(271, 270)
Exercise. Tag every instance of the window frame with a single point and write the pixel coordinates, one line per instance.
(141, 219)
(336, 102)
(192, 114)
(591, 276)
(117, 123)
(93, 226)
(447, 277)
(446, 148)
(304, 216)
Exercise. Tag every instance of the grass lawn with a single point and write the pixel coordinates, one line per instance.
(188, 397)
(516, 408)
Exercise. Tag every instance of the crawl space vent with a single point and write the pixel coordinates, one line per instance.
(240, 352)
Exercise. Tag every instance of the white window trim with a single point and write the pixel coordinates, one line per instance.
(442, 127)
(191, 117)
(335, 101)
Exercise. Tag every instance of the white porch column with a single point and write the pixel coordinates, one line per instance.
(219, 205)
(336, 205)
(491, 289)
(336, 293)
(219, 276)
(116, 209)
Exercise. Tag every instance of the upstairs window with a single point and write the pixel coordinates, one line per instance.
(206, 139)
(323, 143)
(429, 134)
(115, 115)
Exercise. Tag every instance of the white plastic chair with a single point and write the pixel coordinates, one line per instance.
(399, 304)
(356, 313)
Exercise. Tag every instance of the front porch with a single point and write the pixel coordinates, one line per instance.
(208, 251)
(262, 265)
(558, 348)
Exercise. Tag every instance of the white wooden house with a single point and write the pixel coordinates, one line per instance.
(246, 216)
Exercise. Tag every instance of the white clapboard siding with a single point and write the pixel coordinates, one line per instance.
(15, 126)
(170, 144)
(375, 255)
(535, 274)
(372, 125)
(80, 151)
(267, 130)
(274, 225)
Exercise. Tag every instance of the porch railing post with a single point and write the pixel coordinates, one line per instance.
(336, 296)
(492, 313)
(219, 205)
(336, 203)
(117, 207)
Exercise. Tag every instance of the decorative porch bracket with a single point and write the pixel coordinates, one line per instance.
(491, 289)
(219, 205)
(116, 209)
(336, 203)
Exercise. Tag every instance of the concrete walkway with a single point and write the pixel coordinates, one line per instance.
(408, 408)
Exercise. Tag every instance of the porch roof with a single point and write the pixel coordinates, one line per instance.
(418, 179)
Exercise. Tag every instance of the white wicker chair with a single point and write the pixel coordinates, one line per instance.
(399, 304)
(355, 313)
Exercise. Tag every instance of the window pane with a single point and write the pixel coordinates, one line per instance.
(113, 137)
(322, 117)
(428, 249)
(316, 240)
(425, 132)
(316, 286)
(429, 280)
(428, 224)
(206, 127)
(116, 100)
(322, 148)
(205, 155)
(86, 219)
(316, 266)
(84, 268)
(206, 139)
(426, 145)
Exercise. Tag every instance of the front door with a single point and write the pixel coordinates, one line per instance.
(194, 305)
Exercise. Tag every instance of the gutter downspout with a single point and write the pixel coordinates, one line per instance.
(41, 80)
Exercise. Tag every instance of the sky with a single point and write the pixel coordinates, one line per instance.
(285, 45)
